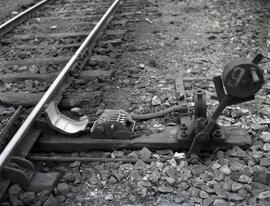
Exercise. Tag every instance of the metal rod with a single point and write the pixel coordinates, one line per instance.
(38, 158)
(8, 25)
(19, 135)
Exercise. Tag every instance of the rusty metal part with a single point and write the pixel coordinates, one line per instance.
(39, 158)
(242, 79)
(77, 60)
(19, 171)
(199, 98)
(62, 123)
(113, 124)
(9, 25)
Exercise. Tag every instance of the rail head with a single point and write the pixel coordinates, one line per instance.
(22, 131)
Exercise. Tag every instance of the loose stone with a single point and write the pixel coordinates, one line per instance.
(264, 195)
(225, 170)
(109, 197)
(265, 137)
(204, 194)
(245, 179)
(63, 188)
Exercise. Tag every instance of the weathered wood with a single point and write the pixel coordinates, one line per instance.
(180, 89)
(51, 35)
(197, 79)
(79, 17)
(36, 61)
(68, 18)
(44, 46)
(180, 94)
(168, 139)
(76, 100)
(114, 42)
(65, 35)
(17, 99)
(90, 74)
(93, 74)
(26, 145)
(63, 24)
(163, 140)
(76, 3)
(31, 99)
(43, 181)
(28, 76)
(119, 22)
(118, 32)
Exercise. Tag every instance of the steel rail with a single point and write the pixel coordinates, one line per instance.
(10, 24)
(22, 131)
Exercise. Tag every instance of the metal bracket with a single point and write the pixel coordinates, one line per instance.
(19, 171)
(113, 124)
(242, 79)
(63, 123)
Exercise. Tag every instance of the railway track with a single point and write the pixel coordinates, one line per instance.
(48, 50)
(104, 79)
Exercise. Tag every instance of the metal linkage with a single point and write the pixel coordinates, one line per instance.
(242, 79)
(75, 61)
(110, 131)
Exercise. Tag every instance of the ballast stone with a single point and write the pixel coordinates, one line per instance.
(63, 188)
(265, 137)
(28, 198)
(145, 153)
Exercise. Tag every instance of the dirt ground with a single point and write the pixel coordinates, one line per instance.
(11, 8)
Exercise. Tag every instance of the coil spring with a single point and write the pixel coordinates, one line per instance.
(123, 119)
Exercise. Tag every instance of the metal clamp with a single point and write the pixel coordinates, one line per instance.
(62, 123)
(19, 171)
(113, 124)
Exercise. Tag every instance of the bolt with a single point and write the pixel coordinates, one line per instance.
(100, 128)
(183, 126)
(184, 134)
(112, 126)
(194, 159)
(217, 133)
(203, 137)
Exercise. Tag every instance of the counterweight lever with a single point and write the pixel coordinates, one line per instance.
(242, 79)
